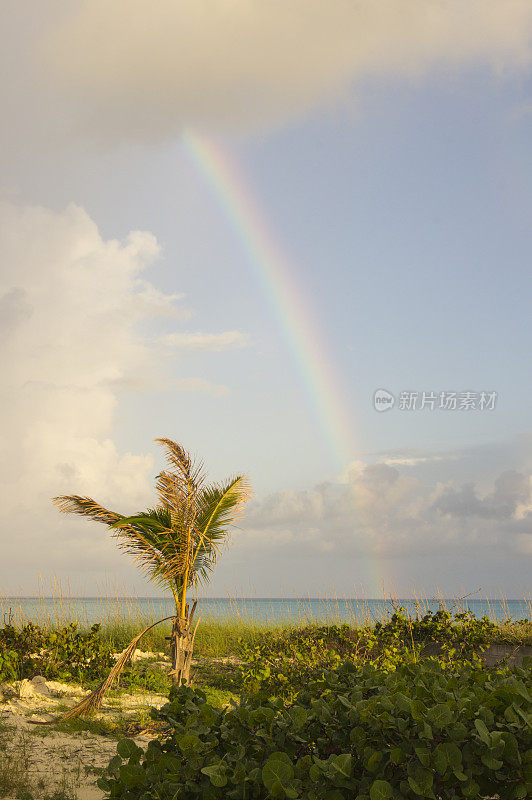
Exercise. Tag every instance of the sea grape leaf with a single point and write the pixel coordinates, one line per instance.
(396, 755)
(188, 743)
(277, 772)
(424, 755)
(298, 716)
(522, 690)
(421, 780)
(446, 756)
(427, 732)
(380, 790)
(470, 789)
(482, 731)
(527, 717)
(126, 748)
(440, 715)
(344, 701)
(491, 762)
(418, 709)
(342, 764)
(131, 775)
(216, 773)
(373, 761)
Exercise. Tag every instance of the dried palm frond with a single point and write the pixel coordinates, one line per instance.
(94, 700)
(85, 507)
(169, 490)
(188, 470)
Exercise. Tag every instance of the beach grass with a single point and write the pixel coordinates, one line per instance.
(221, 632)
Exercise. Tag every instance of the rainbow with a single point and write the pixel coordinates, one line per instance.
(276, 277)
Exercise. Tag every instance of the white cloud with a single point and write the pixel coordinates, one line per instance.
(71, 305)
(214, 342)
(145, 70)
(412, 461)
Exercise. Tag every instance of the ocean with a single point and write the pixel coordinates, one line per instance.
(88, 610)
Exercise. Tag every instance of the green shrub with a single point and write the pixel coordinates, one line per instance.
(283, 665)
(427, 729)
(9, 665)
(65, 653)
(461, 633)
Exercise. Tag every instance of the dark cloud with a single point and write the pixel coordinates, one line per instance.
(511, 490)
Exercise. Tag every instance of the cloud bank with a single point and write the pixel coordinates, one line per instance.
(145, 70)
(71, 304)
(383, 512)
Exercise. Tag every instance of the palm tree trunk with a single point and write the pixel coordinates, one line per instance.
(181, 647)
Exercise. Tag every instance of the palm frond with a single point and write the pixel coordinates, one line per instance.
(156, 520)
(170, 490)
(219, 509)
(187, 469)
(133, 538)
(152, 551)
(85, 507)
(151, 531)
(176, 455)
(220, 506)
(179, 498)
(204, 564)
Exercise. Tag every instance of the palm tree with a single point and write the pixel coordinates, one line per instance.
(177, 542)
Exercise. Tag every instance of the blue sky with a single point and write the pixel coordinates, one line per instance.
(399, 191)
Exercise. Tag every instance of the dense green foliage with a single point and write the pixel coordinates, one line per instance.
(426, 729)
(461, 632)
(283, 665)
(65, 653)
(68, 654)
(278, 659)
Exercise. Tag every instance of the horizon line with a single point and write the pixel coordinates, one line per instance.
(334, 599)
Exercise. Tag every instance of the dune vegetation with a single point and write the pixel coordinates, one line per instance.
(313, 710)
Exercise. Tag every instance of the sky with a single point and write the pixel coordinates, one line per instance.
(232, 223)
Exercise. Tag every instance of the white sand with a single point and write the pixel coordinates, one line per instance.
(62, 760)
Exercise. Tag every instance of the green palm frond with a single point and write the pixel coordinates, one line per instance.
(170, 490)
(150, 537)
(219, 509)
(204, 563)
(160, 547)
(180, 500)
(156, 520)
